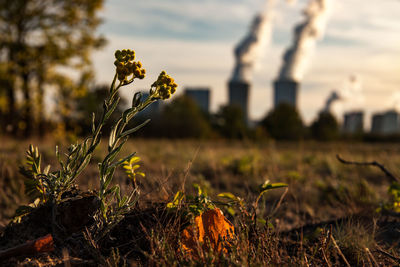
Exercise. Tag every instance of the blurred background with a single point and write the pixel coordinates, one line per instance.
(268, 90)
(256, 69)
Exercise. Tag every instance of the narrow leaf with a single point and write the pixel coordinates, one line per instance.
(229, 196)
(136, 99)
(112, 108)
(113, 153)
(93, 123)
(268, 186)
(84, 164)
(46, 170)
(109, 178)
(177, 200)
(128, 132)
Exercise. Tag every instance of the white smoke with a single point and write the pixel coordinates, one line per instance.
(306, 34)
(394, 102)
(333, 97)
(250, 48)
(351, 95)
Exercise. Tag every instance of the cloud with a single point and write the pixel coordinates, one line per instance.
(182, 19)
(373, 24)
(194, 39)
(215, 11)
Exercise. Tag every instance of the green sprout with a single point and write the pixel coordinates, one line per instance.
(240, 203)
(393, 204)
(34, 182)
(130, 167)
(394, 192)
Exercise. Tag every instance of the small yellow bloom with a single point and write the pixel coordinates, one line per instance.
(128, 69)
(165, 86)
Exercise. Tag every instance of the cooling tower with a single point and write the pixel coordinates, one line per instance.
(239, 95)
(377, 123)
(386, 123)
(391, 122)
(285, 91)
(353, 122)
(201, 96)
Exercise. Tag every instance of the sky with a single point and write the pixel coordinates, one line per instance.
(193, 40)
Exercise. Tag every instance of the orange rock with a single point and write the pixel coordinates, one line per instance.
(210, 228)
(40, 245)
(44, 244)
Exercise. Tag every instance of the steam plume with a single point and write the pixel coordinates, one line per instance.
(306, 34)
(352, 93)
(249, 49)
(394, 102)
(334, 96)
(351, 96)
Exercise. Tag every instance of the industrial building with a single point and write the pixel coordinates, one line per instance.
(376, 125)
(285, 91)
(386, 123)
(239, 96)
(353, 122)
(201, 96)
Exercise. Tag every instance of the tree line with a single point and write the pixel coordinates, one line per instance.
(43, 43)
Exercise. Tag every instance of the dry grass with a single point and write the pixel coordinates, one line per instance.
(320, 190)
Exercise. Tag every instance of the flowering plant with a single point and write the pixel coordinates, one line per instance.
(51, 185)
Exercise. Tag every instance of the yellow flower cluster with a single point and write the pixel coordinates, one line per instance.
(165, 86)
(126, 66)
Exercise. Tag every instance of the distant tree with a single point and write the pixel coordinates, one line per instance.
(4, 80)
(230, 122)
(182, 118)
(325, 127)
(36, 37)
(92, 102)
(284, 123)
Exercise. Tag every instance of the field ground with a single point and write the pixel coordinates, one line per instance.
(325, 198)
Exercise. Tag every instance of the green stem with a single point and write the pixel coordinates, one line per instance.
(120, 124)
(95, 138)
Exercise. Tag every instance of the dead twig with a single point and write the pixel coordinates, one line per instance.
(340, 251)
(93, 247)
(306, 260)
(280, 201)
(324, 246)
(371, 256)
(370, 163)
(387, 254)
(66, 258)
